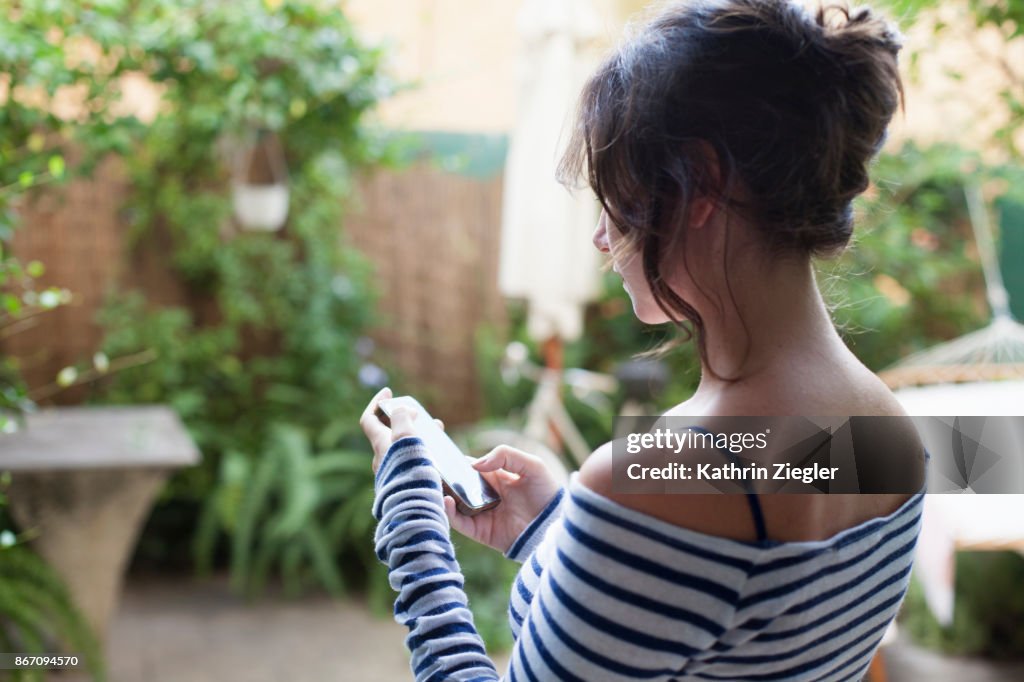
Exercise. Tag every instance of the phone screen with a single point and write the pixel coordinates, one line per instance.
(465, 481)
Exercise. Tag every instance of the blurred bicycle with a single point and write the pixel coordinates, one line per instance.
(546, 428)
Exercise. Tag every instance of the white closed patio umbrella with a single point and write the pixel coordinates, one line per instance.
(546, 254)
(547, 257)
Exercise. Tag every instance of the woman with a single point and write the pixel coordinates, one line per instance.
(725, 141)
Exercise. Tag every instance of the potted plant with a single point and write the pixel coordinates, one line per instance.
(259, 183)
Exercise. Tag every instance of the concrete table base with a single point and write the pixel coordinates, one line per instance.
(88, 522)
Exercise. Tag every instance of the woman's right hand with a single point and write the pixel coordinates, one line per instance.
(525, 485)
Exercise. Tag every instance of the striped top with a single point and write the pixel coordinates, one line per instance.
(610, 593)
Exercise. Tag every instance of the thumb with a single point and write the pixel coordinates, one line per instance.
(464, 524)
(402, 423)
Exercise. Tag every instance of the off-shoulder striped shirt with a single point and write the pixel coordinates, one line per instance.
(610, 593)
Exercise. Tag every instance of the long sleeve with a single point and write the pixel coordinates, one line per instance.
(525, 545)
(412, 539)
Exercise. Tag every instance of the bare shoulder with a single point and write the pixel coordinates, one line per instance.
(716, 514)
(596, 472)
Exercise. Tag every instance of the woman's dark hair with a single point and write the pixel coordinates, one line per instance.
(794, 107)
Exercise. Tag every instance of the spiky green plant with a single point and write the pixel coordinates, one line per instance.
(35, 607)
(290, 511)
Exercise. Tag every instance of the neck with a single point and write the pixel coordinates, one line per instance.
(778, 315)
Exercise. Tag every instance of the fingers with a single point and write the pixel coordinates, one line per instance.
(402, 423)
(510, 459)
(439, 423)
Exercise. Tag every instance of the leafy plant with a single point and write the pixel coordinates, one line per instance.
(987, 612)
(294, 509)
(35, 605)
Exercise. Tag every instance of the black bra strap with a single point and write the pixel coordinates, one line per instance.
(758, 514)
(755, 504)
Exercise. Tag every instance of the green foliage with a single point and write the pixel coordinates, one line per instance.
(501, 395)
(35, 605)
(259, 343)
(36, 67)
(294, 509)
(911, 278)
(20, 301)
(987, 613)
(46, 68)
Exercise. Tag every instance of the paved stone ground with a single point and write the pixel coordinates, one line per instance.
(182, 630)
(905, 662)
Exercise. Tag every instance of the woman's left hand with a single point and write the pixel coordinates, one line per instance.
(380, 436)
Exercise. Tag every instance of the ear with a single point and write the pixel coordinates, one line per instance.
(702, 206)
(701, 209)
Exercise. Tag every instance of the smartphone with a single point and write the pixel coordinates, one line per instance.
(472, 493)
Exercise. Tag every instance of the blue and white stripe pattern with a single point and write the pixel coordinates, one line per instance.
(610, 593)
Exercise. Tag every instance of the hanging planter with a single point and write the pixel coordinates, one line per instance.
(259, 185)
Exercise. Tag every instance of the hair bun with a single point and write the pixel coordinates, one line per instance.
(860, 48)
(843, 26)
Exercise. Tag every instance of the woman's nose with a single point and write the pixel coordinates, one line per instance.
(601, 235)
